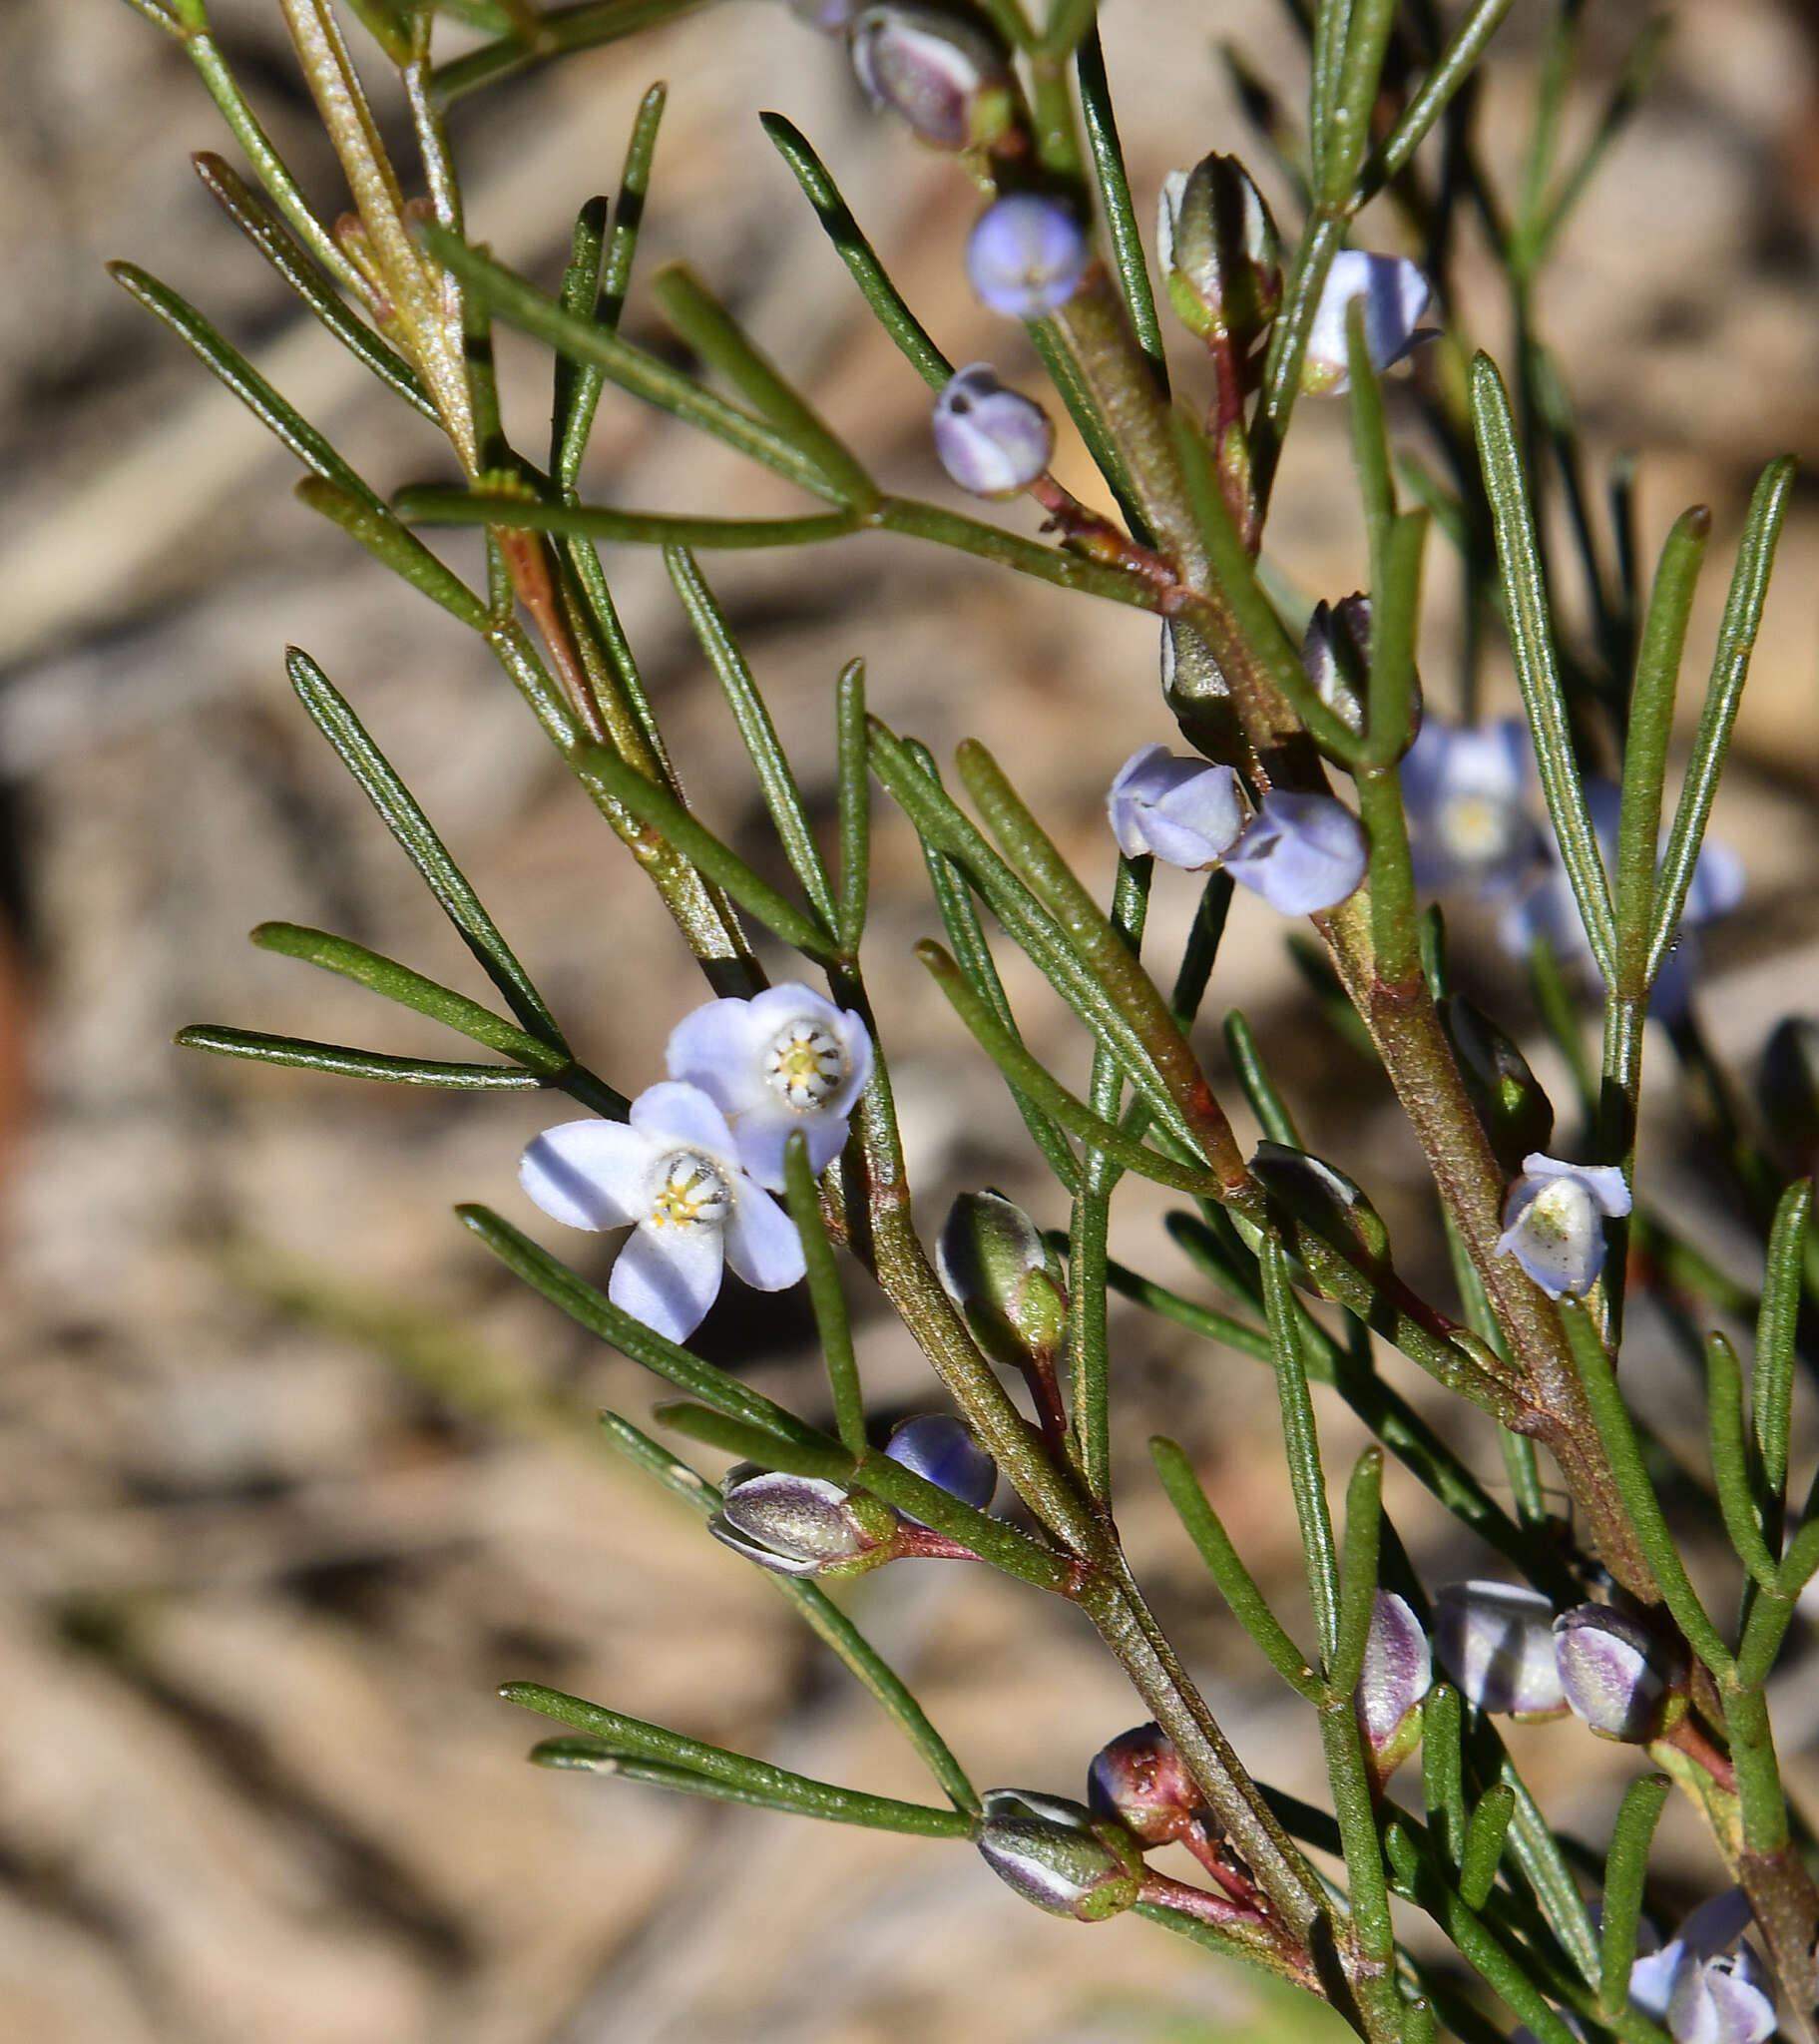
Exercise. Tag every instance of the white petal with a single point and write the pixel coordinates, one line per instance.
(667, 1278)
(592, 1174)
(763, 1244)
(762, 1134)
(672, 1113)
(1651, 1979)
(716, 1047)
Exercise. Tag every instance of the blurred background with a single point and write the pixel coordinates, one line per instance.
(291, 1473)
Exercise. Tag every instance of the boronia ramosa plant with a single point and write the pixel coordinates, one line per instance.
(1315, 775)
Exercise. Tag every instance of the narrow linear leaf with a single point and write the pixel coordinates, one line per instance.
(1358, 1569)
(1626, 1871)
(380, 532)
(1450, 71)
(853, 760)
(1115, 198)
(756, 1780)
(825, 1296)
(611, 1325)
(431, 505)
(559, 30)
(1301, 1443)
(1772, 1380)
(1485, 1843)
(346, 1063)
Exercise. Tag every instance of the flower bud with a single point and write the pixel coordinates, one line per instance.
(801, 1525)
(1004, 1278)
(940, 73)
(1554, 1221)
(1217, 245)
(1322, 1198)
(1615, 1671)
(1026, 255)
(992, 441)
(1140, 1780)
(1185, 812)
(1197, 690)
(942, 1448)
(1301, 852)
(1787, 1087)
(1335, 650)
(1395, 296)
(1518, 1116)
(1496, 1643)
(1398, 1673)
(1057, 1854)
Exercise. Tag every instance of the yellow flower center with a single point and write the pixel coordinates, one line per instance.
(1476, 828)
(691, 1194)
(804, 1065)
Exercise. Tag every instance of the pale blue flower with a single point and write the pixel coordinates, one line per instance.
(787, 1058)
(1027, 256)
(1186, 811)
(1301, 852)
(672, 1174)
(1395, 296)
(1554, 1221)
(941, 1449)
(992, 441)
(1703, 1991)
(1463, 788)
(1496, 1641)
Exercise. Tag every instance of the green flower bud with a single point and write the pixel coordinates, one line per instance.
(1322, 1198)
(1004, 1278)
(1217, 248)
(1057, 1854)
(1518, 1116)
(801, 1525)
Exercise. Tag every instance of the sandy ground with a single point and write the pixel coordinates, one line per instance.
(263, 1560)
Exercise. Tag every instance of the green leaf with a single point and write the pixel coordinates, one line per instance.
(782, 796)
(611, 1325)
(1657, 674)
(1442, 1772)
(825, 1296)
(344, 1063)
(375, 528)
(1772, 1380)
(590, 344)
(861, 260)
(379, 781)
(658, 808)
(239, 375)
(717, 1770)
(1358, 1570)
(1729, 671)
(1260, 1092)
(299, 269)
(1485, 1843)
(855, 766)
(1532, 641)
(710, 331)
(824, 1618)
(559, 31)
(1448, 73)
(1236, 1584)
(432, 505)
(1367, 35)
(1626, 1871)
(1300, 1440)
(1114, 200)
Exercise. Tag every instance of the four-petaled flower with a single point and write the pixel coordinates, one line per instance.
(671, 1172)
(1554, 1221)
(788, 1059)
(1463, 789)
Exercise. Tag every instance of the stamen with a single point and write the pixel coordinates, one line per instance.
(691, 1194)
(805, 1064)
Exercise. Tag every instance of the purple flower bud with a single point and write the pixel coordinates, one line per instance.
(1335, 650)
(1004, 1278)
(1027, 256)
(797, 1525)
(942, 1448)
(1554, 1221)
(1395, 296)
(992, 441)
(1496, 1643)
(1186, 811)
(1617, 1672)
(1139, 1778)
(1301, 852)
(943, 75)
(1057, 1854)
(1398, 1673)
(1216, 247)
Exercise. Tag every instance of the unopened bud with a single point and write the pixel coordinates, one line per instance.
(801, 1525)
(1027, 256)
(1615, 1671)
(1322, 1198)
(1398, 1673)
(1518, 1116)
(1140, 1780)
(992, 441)
(1496, 1641)
(942, 1449)
(1787, 1085)
(1217, 247)
(1058, 1856)
(940, 73)
(1335, 650)
(1004, 1278)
